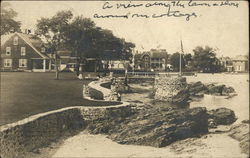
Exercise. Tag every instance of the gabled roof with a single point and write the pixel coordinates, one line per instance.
(34, 42)
(240, 58)
(141, 55)
(158, 53)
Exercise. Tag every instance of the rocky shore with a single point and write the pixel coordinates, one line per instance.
(159, 125)
(177, 90)
(240, 132)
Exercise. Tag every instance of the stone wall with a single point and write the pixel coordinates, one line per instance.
(103, 92)
(40, 130)
(167, 88)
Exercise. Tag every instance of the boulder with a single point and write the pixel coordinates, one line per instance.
(197, 87)
(222, 116)
(240, 132)
(181, 97)
(215, 90)
(227, 90)
(221, 90)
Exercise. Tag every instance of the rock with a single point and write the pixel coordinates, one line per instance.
(221, 90)
(197, 87)
(227, 90)
(222, 116)
(156, 126)
(240, 132)
(216, 89)
(211, 123)
(181, 97)
(246, 121)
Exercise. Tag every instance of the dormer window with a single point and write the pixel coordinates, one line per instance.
(23, 51)
(15, 41)
(8, 51)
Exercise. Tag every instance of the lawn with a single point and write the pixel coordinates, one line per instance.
(24, 94)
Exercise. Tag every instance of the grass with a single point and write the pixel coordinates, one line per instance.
(24, 94)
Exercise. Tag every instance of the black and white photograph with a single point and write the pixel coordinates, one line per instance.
(119, 79)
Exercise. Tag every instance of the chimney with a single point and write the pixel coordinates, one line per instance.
(27, 31)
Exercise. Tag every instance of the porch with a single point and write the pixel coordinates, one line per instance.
(41, 65)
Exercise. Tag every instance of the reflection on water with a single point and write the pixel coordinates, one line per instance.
(239, 103)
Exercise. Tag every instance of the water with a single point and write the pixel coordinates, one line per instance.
(239, 104)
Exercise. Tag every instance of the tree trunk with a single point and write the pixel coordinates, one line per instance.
(77, 68)
(56, 66)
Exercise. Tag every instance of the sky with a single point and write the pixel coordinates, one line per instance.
(224, 28)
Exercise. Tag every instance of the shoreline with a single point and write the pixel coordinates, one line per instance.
(59, 146)
(89, 145)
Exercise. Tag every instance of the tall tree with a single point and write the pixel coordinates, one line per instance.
(53, 29)
(175, 61)
(205, 60)
(87, 40)
(81, 35)
(8, 22)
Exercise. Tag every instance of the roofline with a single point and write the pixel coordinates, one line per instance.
(43, 56)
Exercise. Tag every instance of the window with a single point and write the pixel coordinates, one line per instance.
(23, 51)
(7, 62)
(15, 42)
(22, 62)
(8, 51)
(43, 50)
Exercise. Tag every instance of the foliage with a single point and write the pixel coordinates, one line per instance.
(175, 61)
(53, 29)
(88, 40)
(205, 60)
(8, 24)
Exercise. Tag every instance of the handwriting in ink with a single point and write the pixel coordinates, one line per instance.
(175, 14)
(125, 16)
(106, 5)
(129, 5)
(191, 3)
(140, 16)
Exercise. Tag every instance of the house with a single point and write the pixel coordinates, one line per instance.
(142, 61)
(118, 64)
(159, 58)
(227, 63)
(23, 52)
(68, 62)
(153, 60)
(240, 63)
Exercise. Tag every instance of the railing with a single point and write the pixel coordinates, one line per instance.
(153, 74)
(144, 74)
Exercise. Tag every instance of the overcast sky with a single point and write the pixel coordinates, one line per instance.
(225, 28)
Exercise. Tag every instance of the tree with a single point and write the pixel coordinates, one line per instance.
(175, 61)
(81, 35)
(53, 29)
(8, 24)
(90, 41)
(205, 60)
